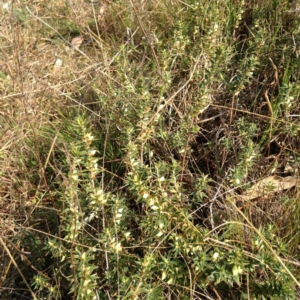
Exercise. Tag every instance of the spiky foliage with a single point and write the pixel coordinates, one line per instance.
(126, 159)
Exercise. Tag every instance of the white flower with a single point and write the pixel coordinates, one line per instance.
(92, 152)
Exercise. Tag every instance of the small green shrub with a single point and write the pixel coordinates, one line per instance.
(134, 155)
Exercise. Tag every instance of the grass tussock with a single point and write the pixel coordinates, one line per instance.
(149, 149)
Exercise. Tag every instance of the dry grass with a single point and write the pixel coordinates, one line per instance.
(163, 121)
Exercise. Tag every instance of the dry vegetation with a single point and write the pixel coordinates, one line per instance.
(149, 149)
